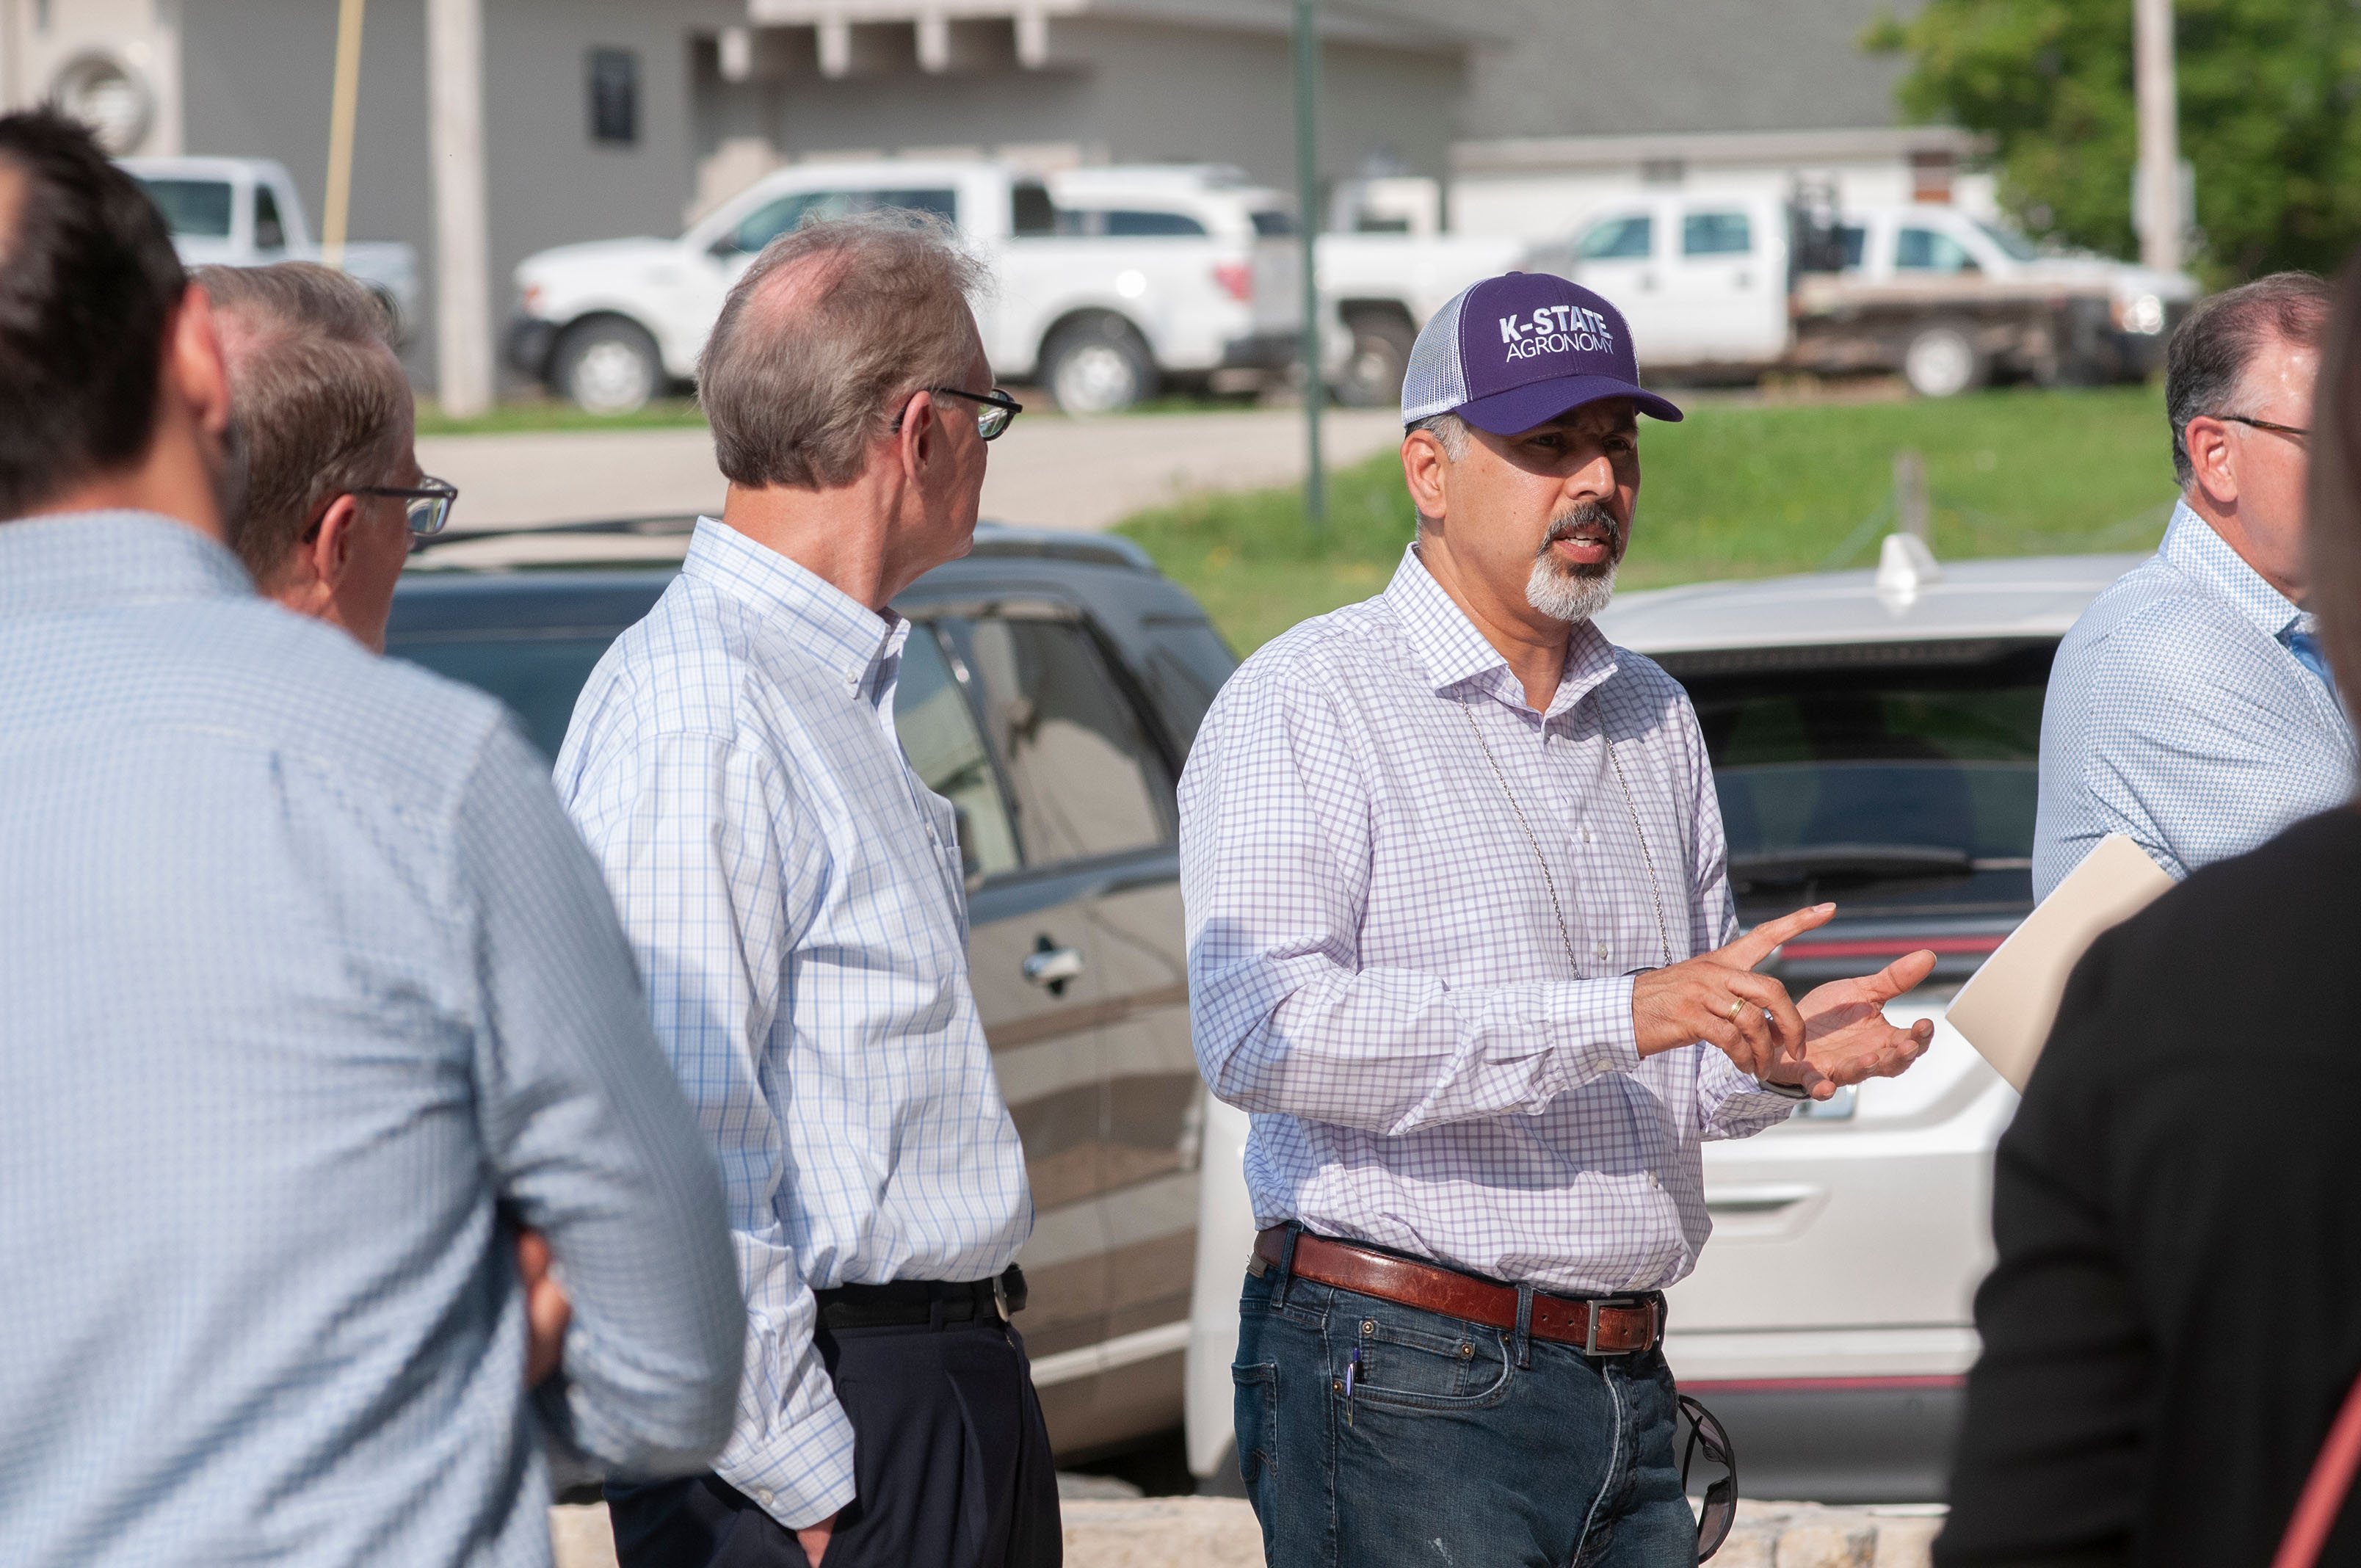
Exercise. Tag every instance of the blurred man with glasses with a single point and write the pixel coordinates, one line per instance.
(334, 493)
(2192, 707)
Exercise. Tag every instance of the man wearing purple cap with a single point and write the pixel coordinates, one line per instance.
(1460, 938)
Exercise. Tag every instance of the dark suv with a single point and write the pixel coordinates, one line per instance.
(1049, 690)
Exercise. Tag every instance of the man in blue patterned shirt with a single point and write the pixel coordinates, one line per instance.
(2191, 708)
(795, 898)
(305, 983)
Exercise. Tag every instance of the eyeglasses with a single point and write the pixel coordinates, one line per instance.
(2265, 424)
(997, 408)
(428, 503)
(1720, 1509)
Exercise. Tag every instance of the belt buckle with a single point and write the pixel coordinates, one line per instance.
(1591, 1325)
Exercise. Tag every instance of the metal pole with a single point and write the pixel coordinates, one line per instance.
(343, 105)
(462, 263)
(1307, 206)
(2156, 213)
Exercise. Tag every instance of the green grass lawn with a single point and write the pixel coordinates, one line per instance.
(1738, 489)
(551, 414)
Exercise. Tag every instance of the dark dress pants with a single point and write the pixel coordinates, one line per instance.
(951, 1467)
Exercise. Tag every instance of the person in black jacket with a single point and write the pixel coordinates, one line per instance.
(2175, 1316)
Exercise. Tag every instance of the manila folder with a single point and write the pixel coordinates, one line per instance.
(2007, 1006)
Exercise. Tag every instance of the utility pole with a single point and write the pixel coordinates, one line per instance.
(462, 263)
(344, 105)
(1307, 207)
(2156, 207)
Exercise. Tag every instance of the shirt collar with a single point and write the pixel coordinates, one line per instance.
(830, 624)
(1453, 652)
(93, 559)
(2191, 544)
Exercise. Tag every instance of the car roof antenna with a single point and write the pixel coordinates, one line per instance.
(1904, 565)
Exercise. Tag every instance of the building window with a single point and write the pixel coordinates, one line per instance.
(615, 96)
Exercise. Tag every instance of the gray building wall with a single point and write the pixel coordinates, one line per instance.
(258, 75)
(1121, 90)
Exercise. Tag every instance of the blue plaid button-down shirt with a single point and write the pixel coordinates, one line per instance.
(795, 895)
(2181, 713)
(1376, 969)
(303, 976)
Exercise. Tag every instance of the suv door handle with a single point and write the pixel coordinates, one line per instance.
(1052, 966)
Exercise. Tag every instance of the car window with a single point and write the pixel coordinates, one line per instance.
(1273, 223)
(270, 234)
(1122, 224)
(1086, 778)
(1716, 234)
(1856, 240)
(1030, 211)
(198, 209)
(940, 737)
(538, 677)
(2013, 245)
(1187, 664)
(766, 222)
(1618, 239)
(1940, 759)
(1928, 251)
(1101, 222)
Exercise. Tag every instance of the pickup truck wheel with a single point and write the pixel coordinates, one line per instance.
(1943, 360)
(608, 366)
(1098, 366)
(1373, 375)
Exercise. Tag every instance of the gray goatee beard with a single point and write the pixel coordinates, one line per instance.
(1573, 593)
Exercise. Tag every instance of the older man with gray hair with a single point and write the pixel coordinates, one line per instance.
(794, 893)
(334, 492)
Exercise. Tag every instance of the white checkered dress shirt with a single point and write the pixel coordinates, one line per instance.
(794, 894)
(2178, 714)
(1375, 972)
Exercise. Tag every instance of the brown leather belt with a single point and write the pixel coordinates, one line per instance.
(1623, 1325)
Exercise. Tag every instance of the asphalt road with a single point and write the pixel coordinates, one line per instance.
(1047, 471)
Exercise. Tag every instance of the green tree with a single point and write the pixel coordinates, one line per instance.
(2268, 89)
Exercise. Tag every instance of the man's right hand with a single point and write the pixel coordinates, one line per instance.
(1719, 999)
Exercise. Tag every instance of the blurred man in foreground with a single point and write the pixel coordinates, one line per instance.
(334, 493)
(306, 975)
(793, 891)
(1461, 939)
(2192, 706)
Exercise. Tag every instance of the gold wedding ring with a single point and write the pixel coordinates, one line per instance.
(1736, 1008)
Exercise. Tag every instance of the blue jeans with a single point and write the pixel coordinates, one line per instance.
(1449, 1451)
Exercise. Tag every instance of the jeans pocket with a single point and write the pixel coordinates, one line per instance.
(1255, 1413)
(1413, 1368)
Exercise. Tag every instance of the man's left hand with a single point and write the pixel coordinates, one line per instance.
(1846, 1036)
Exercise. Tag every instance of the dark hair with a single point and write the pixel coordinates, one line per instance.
(88, 285)
(2332, 523)
(316, 390)
(803, 373)
(2205, 364)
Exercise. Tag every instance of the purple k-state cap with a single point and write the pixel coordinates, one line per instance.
(1516, 351)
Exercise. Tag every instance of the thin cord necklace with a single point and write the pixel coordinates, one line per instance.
(1646, 859)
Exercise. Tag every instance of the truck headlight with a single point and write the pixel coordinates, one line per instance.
(2143, 314)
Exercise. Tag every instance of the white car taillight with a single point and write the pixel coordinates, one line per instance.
(1236, 279)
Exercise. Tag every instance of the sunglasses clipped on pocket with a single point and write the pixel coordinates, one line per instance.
(1720, 1511)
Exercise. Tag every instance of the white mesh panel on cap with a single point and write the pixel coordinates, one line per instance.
(1435, 382)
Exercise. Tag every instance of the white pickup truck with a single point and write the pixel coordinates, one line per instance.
(1107, 280)
(245, 212)
(1743, 282)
